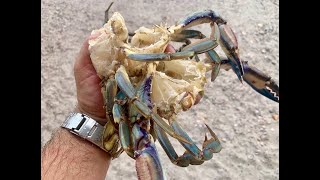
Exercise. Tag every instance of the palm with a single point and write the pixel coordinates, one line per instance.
(89, 95)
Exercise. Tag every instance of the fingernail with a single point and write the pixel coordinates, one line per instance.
(170, 49)
(94, 34)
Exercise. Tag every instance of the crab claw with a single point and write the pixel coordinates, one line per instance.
(210, 146)
(148, 164)
(260, 82)
(229, 45)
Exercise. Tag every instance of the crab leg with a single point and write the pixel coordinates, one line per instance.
(227, 40)
(185, 35)
(193, 154)
(191, 148)
(124, 133)
(209, 146)
(197, 48)
(183, 161)
(229, 44)
(109, 91)
(134, 115)
(201, 46)
(166, 144)
(258, 80)
(199, 17)
(127, 88)
(110, 137)
(120, 117)
(160, 56)
(143, 92)
(211, 54)
(148, 164)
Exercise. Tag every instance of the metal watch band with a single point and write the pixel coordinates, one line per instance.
(85, 127)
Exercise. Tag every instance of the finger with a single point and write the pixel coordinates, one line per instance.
(170, 49)
(90, 100)
(83, 58)
(83, 67)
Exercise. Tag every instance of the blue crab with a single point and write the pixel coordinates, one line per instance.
(144, 88)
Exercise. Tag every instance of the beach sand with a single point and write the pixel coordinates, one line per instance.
(245, 121)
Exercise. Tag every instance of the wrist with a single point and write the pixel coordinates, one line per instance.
(69, 156)
(67, 139)
(101, 119)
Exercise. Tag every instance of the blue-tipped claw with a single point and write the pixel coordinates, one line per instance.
(229, 45)
(258, 80)
(261, 82)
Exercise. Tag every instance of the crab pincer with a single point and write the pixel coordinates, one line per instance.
(193, 155)
(148, 165)
(229, 44)
(259, 81)
(227, 38)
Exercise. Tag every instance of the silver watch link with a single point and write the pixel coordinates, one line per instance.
(84, 126)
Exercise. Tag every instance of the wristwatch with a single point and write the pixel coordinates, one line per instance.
(84, 126)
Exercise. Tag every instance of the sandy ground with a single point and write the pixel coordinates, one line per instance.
(239, 116)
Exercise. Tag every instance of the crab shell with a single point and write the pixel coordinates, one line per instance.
(176, 85)
(107, 50)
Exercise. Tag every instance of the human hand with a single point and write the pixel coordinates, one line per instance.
(89, 96)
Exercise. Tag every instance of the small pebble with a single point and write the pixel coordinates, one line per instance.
(263, 137)
(250, 156)
(275, 117)
(256, 112)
